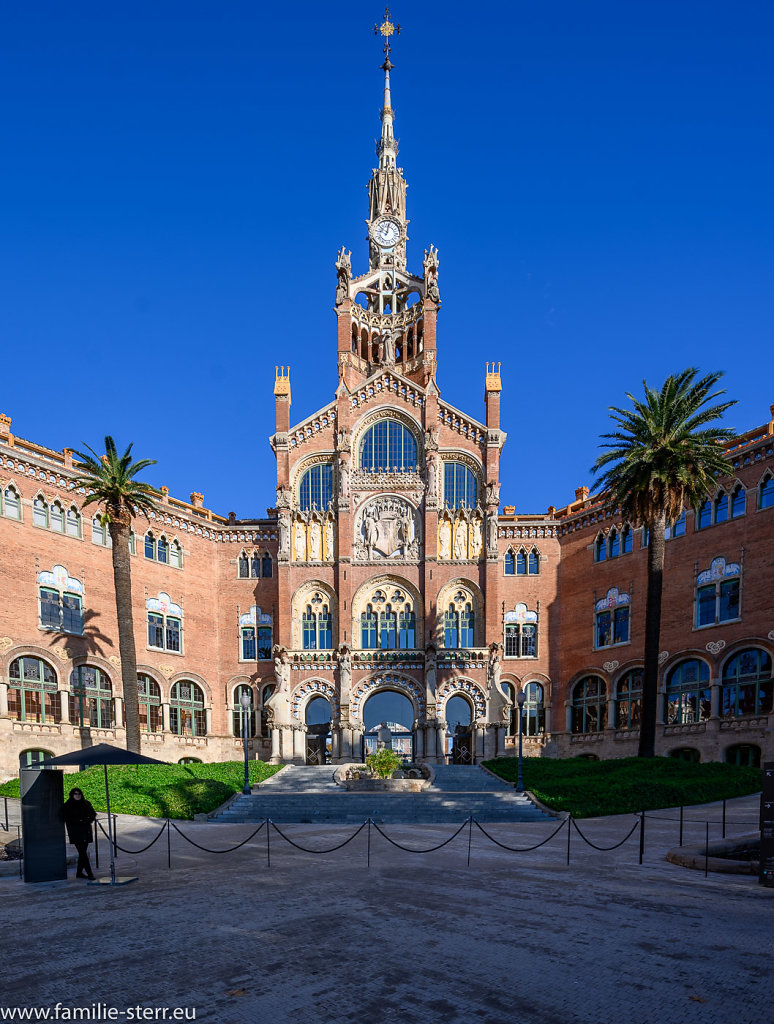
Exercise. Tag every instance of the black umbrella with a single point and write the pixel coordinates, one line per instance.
(102, 754)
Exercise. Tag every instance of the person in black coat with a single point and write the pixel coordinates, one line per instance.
(79, 817)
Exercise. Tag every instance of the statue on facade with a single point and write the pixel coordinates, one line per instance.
(476, 539)
(389, 349)
(329, 540)
(444, 539)
(281, 667)
(370, 533)
(283, 497)
(494, 667)
(430, 265)
(345, 670)
(493, 493)
(343, 275)
(343, 479)
(299, 541)
(492, 530)
(315, 538)
(404, 534)
(461, 540)
(284, 535)
(432, 478)
(342, 439)
(431, 439)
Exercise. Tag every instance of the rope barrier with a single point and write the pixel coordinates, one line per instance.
(606, 849)
(518, 849)
(306, 849)
(206, 850)
(132, 852)
(430, 849)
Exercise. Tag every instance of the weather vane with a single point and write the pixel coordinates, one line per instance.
(386, 29)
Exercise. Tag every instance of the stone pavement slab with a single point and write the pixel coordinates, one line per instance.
(414, 938)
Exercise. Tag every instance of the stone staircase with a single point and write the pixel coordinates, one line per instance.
(306, 794)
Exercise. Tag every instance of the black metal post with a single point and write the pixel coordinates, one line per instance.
(681, 824)
(245, 730)
(95, 826)
(5, 801)
(642, 834)
(706, 848)
(169, 846)
(569, 830)
(115, 835)
(520, 708)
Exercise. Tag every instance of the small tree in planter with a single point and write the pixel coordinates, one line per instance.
(384, 762)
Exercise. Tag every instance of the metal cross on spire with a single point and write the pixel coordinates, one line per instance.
(386, 29)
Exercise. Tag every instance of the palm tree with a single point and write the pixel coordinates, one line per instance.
(664, 456)
(109, 483)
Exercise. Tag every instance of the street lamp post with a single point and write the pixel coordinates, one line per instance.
(246, 701)
(521, 698)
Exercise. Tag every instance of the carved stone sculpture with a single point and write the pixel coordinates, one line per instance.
(281, 667)
(343, 479)
(476, 539)
(492, 530)
(284, 536)
(315, 539)
(345, 670)
(431, 439)
(387, 527)
(493, 493)
(432, 477)
(370, 534)
(494, 668)
(299, 542)
(343, 274)
(329, 541)
(389, 349)
(444, 539)
(461, 540)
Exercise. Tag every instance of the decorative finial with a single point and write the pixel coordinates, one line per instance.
(386, 29)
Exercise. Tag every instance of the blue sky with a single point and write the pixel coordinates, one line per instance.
(178, 176)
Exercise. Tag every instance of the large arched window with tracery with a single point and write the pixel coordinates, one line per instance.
(460, 487)
(388, 447)
(315, 491)
(388, 621)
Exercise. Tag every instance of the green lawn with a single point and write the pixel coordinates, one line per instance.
(161, 791)
(590, 789)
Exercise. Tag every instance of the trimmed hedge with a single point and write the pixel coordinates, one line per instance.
(590, 789)
(161, 791)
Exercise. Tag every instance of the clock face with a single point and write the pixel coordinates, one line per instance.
(385, 233)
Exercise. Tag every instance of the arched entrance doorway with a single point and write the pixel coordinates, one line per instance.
(459, 723)
(318, 731)
(397, 711)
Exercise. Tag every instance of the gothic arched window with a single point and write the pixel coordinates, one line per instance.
(316, 488)
(387, 447)
(460, 487)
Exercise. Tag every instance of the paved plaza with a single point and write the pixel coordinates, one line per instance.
(414, 938)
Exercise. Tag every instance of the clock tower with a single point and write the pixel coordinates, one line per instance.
(387, 316)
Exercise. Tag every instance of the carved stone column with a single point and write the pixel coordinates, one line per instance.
(275, 745)
(119, 712)
(64, 706)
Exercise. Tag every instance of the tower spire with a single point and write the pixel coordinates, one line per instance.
(388, 146)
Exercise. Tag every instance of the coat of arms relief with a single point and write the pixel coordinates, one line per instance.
(387, 527)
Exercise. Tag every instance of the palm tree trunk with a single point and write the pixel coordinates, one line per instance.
(119, 526)
(656, 542)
